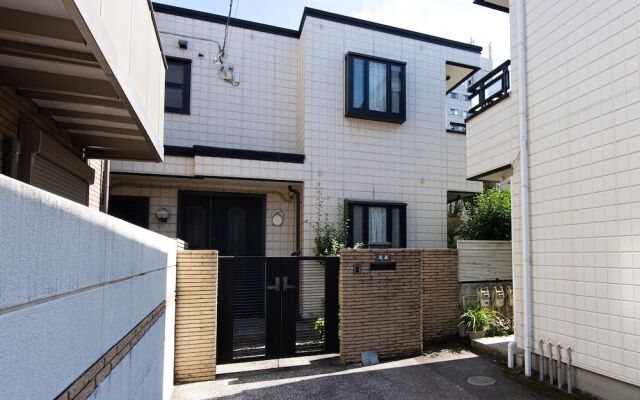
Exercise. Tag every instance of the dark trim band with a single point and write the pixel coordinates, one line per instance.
(493, 171)
(201, 177)
(90, 379)
(473, 68)
(221, 152)
(220, 19)
(491, 5)
(315, 13)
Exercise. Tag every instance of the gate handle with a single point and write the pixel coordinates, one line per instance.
(276, 287)
(286, 285)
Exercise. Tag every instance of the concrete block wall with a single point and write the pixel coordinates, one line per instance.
(73, 283)
(380, 310)
(440, 293)
(196, 315)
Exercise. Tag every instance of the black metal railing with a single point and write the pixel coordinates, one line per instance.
(490, 89)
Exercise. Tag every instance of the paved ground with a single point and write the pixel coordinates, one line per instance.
(439, 374)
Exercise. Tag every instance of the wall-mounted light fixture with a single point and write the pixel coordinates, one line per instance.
(277, 217)
(162, 214)
(183, 44)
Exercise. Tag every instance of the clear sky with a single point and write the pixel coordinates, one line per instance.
(453, 19)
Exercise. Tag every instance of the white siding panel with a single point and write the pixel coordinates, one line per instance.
(484, 260)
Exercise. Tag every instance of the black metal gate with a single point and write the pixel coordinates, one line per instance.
(276, 307)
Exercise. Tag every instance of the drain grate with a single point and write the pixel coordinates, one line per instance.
(481, 380)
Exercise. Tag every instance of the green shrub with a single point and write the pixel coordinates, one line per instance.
(477, 318)
(501, 325)
(487, 217)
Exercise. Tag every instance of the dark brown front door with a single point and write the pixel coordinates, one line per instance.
(233, 224)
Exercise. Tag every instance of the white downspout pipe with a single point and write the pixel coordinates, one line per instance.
(524, 183)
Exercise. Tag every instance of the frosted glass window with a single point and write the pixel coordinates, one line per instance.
(396, 88)
(377, 224)
(358, 83)
(377, 86)
(395, 228)
(357, 223)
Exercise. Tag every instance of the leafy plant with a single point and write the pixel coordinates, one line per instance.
(501, 325)
(319, 327)
(330, 237)
(477, 318)
(487, 217)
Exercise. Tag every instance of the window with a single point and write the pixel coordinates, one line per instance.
(465, 97)
(455, 96)
(377, 222)
(177, 86)
(454, 111)
(375, 88)
(465, 114)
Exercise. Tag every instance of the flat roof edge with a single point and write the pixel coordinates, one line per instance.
(315, 13)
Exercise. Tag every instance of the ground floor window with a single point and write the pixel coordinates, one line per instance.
(377, 223)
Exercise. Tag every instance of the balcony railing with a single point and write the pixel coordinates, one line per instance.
(490, 89)
(456, 127)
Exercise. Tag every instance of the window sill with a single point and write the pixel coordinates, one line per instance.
(372, 117)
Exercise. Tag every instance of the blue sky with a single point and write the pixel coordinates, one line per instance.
(454, 19)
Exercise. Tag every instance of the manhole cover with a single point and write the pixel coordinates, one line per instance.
(481, 380)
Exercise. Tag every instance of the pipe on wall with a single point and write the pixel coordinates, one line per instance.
(296, 193)
(106, 171)
(524, 184)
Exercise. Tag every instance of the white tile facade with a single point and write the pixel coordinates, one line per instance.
(584, 130)
(291, 99)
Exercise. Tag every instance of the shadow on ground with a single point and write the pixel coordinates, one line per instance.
(441, 373)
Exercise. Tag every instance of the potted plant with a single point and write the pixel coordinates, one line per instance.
(476, 320)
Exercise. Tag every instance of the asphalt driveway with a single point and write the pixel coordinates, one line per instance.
(439, 374)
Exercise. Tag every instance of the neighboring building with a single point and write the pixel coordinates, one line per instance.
(81, 292)
(458, 102)
(238, 150)
(583, 125)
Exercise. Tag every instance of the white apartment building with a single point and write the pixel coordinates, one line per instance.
(350, 107)
(575, 85)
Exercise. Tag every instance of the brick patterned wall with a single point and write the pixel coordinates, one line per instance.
(196, 310)
(87, 383)
(440, 292)
(380, 310)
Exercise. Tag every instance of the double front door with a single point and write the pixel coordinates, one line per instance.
(233, 224)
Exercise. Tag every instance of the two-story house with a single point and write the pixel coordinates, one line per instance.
(562, 123)
(342, 112)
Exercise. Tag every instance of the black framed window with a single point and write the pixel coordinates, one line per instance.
(177, 86)
(373, 222)
(375, 88)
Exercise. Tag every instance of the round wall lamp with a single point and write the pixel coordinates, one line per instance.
(162, 214)
(277, 217)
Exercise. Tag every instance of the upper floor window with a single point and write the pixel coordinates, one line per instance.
(375, 88)
(377, 223)
(454, 96)
(177, 86)
(466, 97)
(454, 111)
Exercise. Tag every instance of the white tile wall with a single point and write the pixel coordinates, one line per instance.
(260, 114)
(584, 130)
(415, 162)
(290, 99)
(280, 239)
